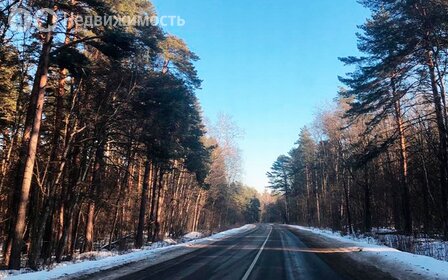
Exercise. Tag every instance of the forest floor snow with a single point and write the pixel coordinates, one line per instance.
(401, 265)
(94, 262)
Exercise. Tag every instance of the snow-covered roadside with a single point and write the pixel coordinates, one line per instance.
(151, 254)
(400, 265)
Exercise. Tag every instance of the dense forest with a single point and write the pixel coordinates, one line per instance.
(102, 141)
(377, 156)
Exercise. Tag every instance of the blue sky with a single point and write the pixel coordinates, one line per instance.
(269, 63)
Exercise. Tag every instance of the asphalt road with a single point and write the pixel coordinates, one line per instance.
(266, 252)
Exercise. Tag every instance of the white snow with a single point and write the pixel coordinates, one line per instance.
(193, 235)
(400, 265)
(99, 261)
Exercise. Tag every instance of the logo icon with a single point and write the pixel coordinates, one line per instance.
(20, 19)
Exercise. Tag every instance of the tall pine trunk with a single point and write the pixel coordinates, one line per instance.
(94, 195)
(405, 199)
(143, 203)
(24, 183)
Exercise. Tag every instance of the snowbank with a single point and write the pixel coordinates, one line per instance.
(103, 261)
(400, 265)
(192, 236)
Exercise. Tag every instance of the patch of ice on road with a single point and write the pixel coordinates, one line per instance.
(400, 265)
(99, 261)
